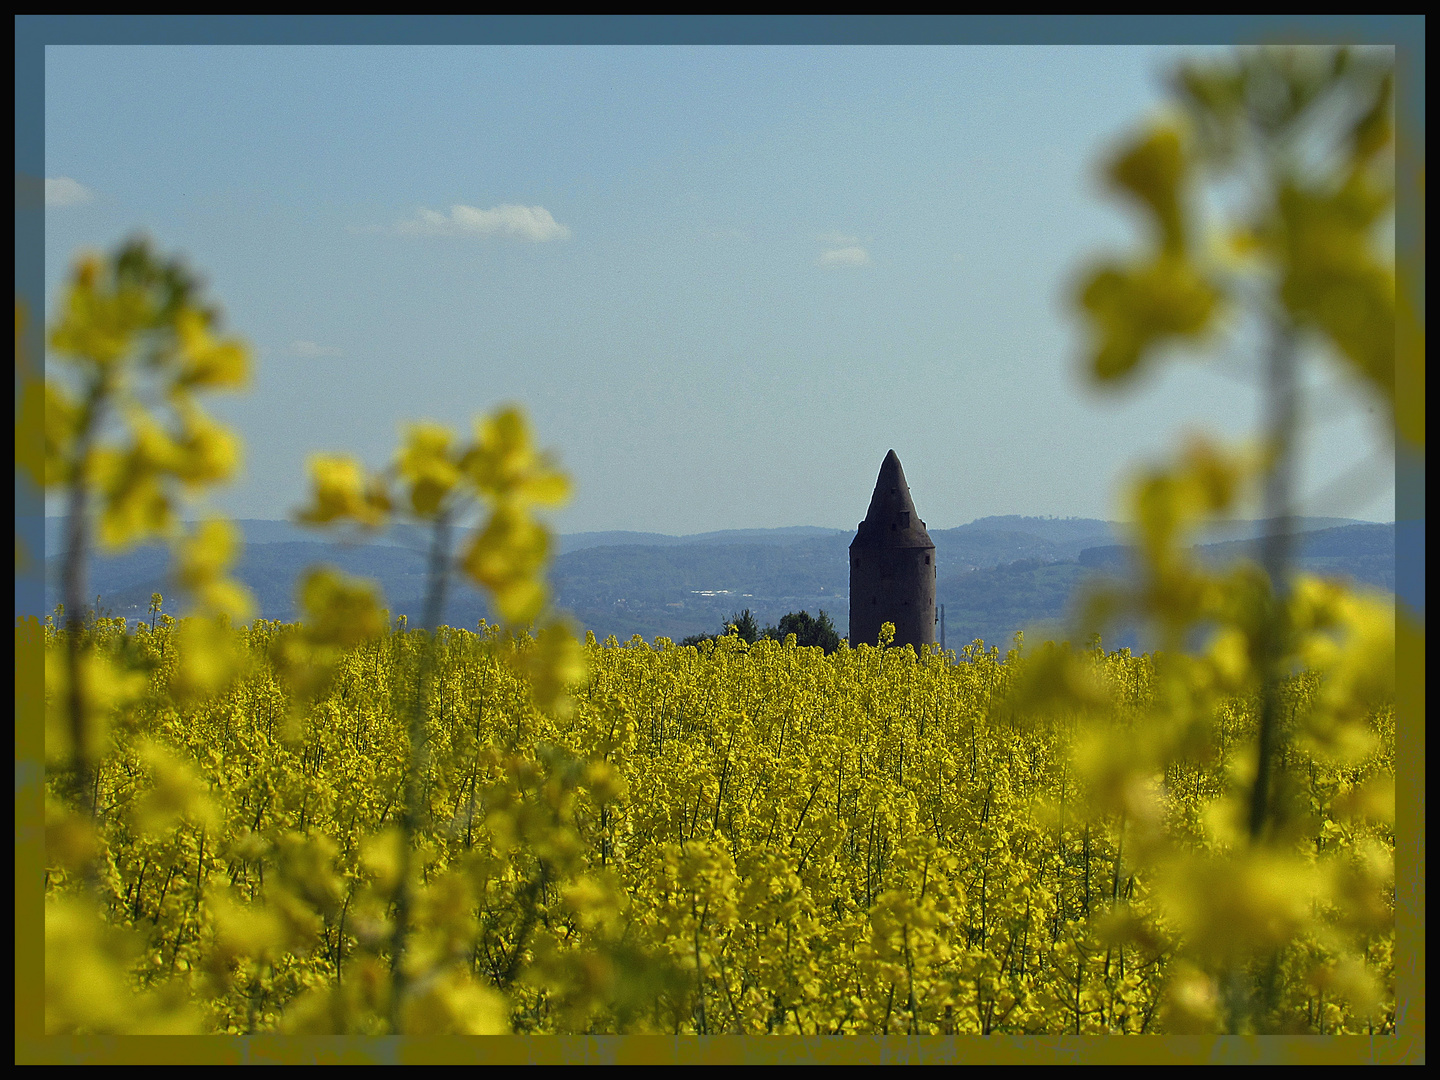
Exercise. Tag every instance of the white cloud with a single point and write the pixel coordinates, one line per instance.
(62, 191)
(533, 223)
(311, 351)
(844, 256)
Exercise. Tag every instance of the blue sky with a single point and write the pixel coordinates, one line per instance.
(722, 281)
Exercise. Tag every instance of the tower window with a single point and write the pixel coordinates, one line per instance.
(927, 560)
(904, 519)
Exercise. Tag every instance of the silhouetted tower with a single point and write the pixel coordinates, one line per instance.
(892, 566)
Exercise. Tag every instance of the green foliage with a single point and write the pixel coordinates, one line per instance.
(741, 623)
(1255, 902)
(809, 630)
(745, 626)
(815, 631)
(134, 324)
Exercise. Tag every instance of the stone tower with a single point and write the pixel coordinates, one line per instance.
(892, 566)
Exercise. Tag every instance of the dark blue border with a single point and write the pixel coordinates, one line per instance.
(711, 29)
(1406, 32)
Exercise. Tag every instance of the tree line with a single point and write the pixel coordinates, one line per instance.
(809, 630)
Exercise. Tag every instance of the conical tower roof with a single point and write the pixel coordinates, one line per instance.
(891, 520)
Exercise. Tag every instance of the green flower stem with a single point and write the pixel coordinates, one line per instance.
(73, 590)
(1276, 555)
(438, 575)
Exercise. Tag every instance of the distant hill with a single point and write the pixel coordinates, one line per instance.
(792, 535)
(1062, 531)
(994, 576)
(124, 582)
(577, 541)
(1363, 553)
(1231, 531)
(680, 590)
(970, 548)
(258, 531)
(994, 602)
(1341, 542)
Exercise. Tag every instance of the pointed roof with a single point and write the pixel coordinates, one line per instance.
(891, 520)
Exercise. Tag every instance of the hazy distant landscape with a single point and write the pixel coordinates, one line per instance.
(479, 292)
(995, 575)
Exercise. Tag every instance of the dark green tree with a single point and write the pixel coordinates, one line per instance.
(808, 630)
(745, 625)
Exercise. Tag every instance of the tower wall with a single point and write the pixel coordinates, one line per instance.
(896, 585)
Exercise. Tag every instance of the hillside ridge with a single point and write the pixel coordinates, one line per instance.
(993, 580)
